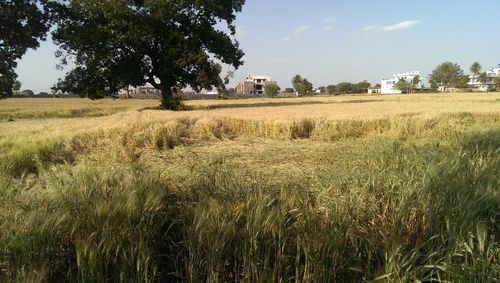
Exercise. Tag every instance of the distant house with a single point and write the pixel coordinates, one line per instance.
(254, 84)
(374, 90)
(140, 92)
(474, 81)
(448, 89)
(493, 73)
(212, 92)
(388, 86)
(26, 92)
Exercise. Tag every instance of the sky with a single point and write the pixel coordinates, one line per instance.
(330, 41)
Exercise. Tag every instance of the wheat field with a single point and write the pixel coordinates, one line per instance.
(396, 188)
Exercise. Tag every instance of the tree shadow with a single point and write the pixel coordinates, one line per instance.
(263, 104)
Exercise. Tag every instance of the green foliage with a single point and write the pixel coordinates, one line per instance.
(475, 68)
(496, 81)
(301, 85)
(344, 87)
(168, 44)
(416, 81)
(463, 82)
(404, 86)
(24, 23)
(483, 78)
(361, 87)
(16, 87)
(289, 90)
(271, 89)
(347, 87)
(331, 89)
(446, 74)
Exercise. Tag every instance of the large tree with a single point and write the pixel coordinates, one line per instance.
(167, 44)
(23, 23)
(301, 85)
(446, 74)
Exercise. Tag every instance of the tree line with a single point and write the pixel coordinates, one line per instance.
(450, 74)
(303, 87)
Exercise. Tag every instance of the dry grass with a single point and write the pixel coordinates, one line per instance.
(127, 112)
(321, 189)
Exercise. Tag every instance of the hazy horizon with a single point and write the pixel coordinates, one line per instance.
(332, 41)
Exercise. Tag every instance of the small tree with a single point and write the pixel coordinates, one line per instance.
(344, 87)
(331, 89)
(231, 90)
(403, 86)
(475, 68)
(289, 90)
(415, 82)
(301, 85)
(16, 87)
(361, 87)
(483, 78)
(496, 81)
(463, 82)
(272, 89)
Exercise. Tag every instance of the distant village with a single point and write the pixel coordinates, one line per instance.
(259, 86)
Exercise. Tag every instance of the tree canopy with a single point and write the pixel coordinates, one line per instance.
(496, 81)
(463, 82)
(167, 44)
(344, 87)
(272, 89)
(404, 86)
(483, 78)
(476, 68)
(331, 89)
(23, 24)
(446, 74)
(301, 85)
(361, 87)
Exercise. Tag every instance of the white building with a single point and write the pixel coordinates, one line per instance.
(495, 72)
(484, 86)
(387, 86)
(254, 84)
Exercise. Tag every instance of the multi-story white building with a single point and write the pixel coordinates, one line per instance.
(387, 86)
(484, 86)
(254, 84)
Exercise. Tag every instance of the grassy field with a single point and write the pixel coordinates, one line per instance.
(391, 188)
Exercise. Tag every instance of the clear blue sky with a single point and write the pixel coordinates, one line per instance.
(328, 41)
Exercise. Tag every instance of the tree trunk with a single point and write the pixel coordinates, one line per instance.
(168, 101)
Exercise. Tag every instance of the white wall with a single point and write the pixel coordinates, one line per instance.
(387, 87)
